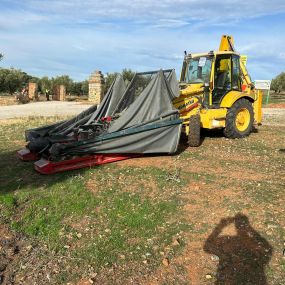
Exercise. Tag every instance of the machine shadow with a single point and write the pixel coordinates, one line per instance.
(16, 174)
(217, 133)
(182, 146)
(243, 256)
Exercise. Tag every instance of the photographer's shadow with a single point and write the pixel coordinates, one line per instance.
(242, 257)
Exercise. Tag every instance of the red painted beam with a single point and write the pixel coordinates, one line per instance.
(45, 166)
(26, 155)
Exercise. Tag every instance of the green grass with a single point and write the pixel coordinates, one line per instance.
(120, 221)
(123, 219)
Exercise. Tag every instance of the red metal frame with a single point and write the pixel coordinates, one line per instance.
(26, 155)
(45, 166)
(191, 107)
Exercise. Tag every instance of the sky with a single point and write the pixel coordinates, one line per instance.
(77, 37)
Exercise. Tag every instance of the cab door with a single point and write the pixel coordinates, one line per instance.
(227, 77)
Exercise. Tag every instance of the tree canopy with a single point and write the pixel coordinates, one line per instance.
(12, 80)
(278, 83)
(126, 73)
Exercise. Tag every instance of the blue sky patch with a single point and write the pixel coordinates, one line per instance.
(75, 37)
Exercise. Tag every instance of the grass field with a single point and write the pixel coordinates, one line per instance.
(207, 214)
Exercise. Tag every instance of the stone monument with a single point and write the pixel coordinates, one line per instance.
(59, 93)
(96, 87)
(33, 90)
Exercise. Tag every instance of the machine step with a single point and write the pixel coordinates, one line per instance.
(45, 166)
(26, 155)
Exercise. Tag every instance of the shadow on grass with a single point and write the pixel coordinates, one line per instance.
(242, 257)
(218, 133)
(16, 174)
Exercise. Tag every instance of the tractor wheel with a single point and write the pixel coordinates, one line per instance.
(194, 131)
(239, 119)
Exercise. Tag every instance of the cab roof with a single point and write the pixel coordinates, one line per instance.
(193, 55)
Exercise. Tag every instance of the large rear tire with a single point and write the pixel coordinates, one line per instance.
(239, 119)
(194, 136)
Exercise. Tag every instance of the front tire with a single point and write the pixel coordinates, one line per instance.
(239, 119)
(194, 136)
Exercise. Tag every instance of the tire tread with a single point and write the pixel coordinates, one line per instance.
(230, 130)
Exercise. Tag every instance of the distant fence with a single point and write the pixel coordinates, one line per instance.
(278, 96)
(274, 98)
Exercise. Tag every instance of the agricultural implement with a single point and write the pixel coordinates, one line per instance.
(130, 121)
(149, 114)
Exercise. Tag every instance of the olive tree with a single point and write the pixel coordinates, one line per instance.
(278, 83)
(127, 74)
(12, 80)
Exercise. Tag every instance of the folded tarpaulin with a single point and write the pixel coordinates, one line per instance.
(41, 138)
(141, 119)
(144, 122)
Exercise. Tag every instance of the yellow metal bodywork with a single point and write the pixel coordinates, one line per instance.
(231, 97)
(189, 99)
(191, 96)
(185, 106)
(213, 118)
(227, 43)
(257, 107)
(192, 90)
(188, 106)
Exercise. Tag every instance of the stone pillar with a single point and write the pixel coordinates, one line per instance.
(96, 87)
(59, 93)
(62, 92)
(33, 89)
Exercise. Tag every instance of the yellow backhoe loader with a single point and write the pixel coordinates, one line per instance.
(216, 91)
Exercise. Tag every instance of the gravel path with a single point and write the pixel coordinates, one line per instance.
(51, 108)
(271, 116)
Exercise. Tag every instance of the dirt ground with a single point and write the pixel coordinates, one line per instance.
(231, 198)
(50, 108)
(274, 115)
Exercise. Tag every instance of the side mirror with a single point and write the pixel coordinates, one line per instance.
(207, 87)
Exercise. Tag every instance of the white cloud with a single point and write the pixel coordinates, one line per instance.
(170, 23)
(80, 47)
(185, 10)
(77, 37)
(19, 19)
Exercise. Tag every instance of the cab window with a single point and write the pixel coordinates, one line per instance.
(236, 85)
(198, 70)
(223, 77)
